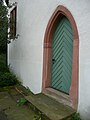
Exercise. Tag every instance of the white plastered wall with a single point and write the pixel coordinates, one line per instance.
(26, 53)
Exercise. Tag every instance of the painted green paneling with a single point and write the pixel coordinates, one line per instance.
(62, 51)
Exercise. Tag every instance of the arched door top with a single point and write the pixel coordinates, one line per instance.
(59, 12)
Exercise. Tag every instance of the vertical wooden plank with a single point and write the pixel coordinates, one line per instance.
(62, 50)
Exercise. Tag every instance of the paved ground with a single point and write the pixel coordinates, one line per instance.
(50, 108)
(9, 110)
(3, 116)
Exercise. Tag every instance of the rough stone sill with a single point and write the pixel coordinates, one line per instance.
(58, 96)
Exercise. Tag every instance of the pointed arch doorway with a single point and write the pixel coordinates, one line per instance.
(61, 49)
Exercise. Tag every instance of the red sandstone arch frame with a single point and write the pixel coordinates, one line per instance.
(61, 10)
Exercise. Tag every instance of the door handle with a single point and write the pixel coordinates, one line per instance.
(53, 60)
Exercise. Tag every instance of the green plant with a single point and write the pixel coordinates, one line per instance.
(76, 116)
(28, 89)
(3, 68)
(3, 58)
(8, 79)
(3, 28)
(22, 101)
(37, 117)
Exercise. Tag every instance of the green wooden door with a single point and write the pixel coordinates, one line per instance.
(62, 50)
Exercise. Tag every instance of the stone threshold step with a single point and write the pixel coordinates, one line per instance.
(50, 108)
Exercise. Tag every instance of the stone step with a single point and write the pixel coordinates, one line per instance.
(48, 107)
(58, 96)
